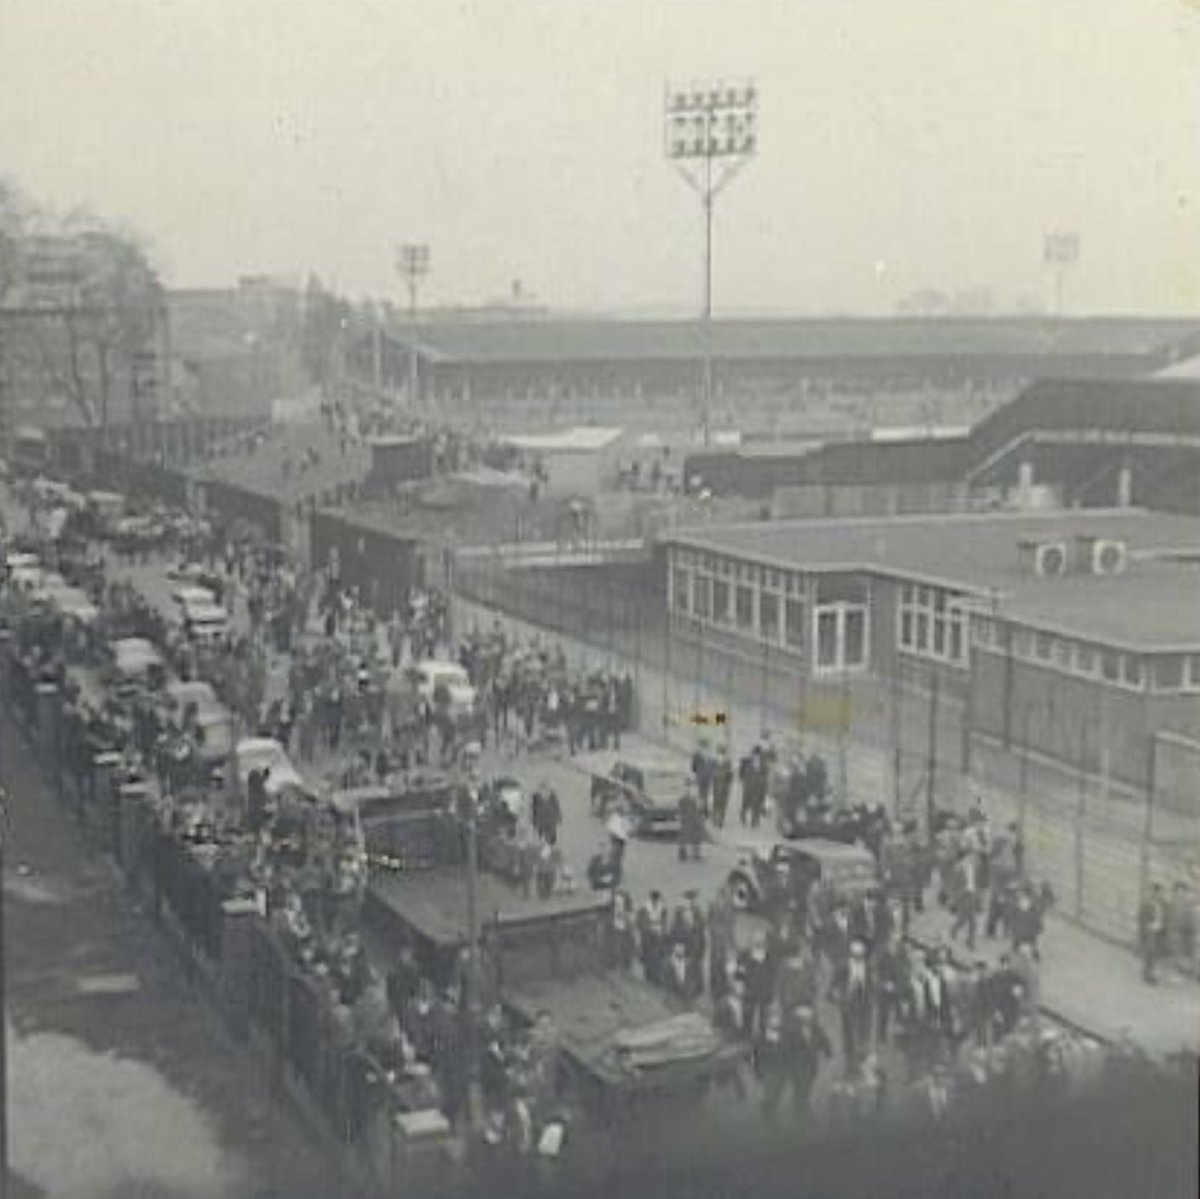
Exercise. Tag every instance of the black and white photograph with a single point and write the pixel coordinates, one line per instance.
(599, 598)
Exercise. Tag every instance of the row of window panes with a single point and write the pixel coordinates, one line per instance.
(1076, 657)
(1176, 672)
(741, 606)
(930, 626)
(840, 629)
(750, 573)
(1168, 672)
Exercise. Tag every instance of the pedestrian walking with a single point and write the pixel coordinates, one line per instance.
(1152, 933)
(722, 785)
(691, 824)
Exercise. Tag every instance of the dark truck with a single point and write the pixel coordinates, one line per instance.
(647, 787)
(767, 874)
(619, 1038)
(405, 825)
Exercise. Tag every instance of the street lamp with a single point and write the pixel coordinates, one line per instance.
(707, 124)
(412, 264)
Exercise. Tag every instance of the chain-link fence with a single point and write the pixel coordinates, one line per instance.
(906, 739)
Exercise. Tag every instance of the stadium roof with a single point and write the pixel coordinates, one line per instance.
(1152, 606)
(1158, 340)
(582, 439)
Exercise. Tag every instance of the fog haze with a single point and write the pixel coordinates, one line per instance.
(904, 144)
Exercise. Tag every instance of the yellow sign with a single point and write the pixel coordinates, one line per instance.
(824, 711)
(701, 719)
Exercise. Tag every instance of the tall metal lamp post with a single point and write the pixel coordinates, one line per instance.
(413, 264)
(710, 133)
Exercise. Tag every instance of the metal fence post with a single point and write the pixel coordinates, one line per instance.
(1148, 827)
(766, 664)
(895, 731)
(1080, 810)
(843, 733)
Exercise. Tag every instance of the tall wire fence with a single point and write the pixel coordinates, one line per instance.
(906, 740)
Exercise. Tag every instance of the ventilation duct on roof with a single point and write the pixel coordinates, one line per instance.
(1046, 559)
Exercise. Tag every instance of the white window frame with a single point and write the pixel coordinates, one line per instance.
(926, 608)
(840, 610)
(775, 636)
(1191, 672)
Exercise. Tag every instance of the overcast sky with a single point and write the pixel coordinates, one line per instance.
(904, 143)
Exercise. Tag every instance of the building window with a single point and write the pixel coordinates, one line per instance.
(930, 624)
(854, 648)
(1085, 659)
(1132, 674)
(921, 638)
(720, 601)
(794, 627)
(1043, 646)
(703, 597)
(744, 613)
(1110, 666)
(768, 615)
(956, 650)
(827, 638)
(841, 634)
(1191, 672)
(1169, 673)
(682, 590)
(1064, 653)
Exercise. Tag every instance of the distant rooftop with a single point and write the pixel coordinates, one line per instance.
(1154, 605)
(582, 438)
(1074, 341)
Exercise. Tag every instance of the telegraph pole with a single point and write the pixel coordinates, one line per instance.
(707, 123)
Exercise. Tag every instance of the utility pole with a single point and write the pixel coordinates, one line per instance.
(471, 999)
(413, 264)
(716, 121)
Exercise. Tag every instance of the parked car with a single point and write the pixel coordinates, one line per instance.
(762, 871)
(136, 662)
(214, 719)
(191, 594)
(205, 623)
(647, 787)
(434, 673)
(264, 753)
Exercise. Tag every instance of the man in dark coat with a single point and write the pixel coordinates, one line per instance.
(722, 785)
(853, 991)
(758, 979)
(703, 769)
(817, 777)
(691, 824)
(807, 1047)
(1152, 932)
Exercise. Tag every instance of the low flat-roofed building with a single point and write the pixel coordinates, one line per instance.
(1080, 618)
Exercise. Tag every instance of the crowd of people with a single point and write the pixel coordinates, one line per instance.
(832, 992)
(957, 1027)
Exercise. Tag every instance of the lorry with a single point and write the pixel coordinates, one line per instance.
(619, 1038)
